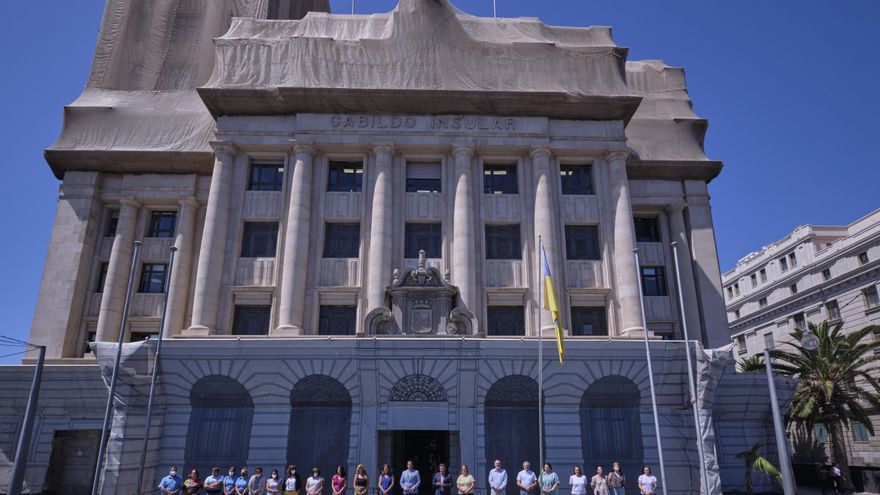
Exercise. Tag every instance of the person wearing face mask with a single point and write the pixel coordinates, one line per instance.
(193, 484)
(273, 484)
(214, 483)
(171, 484)
(241, 483)
(255, 484)
(292, 483)
(229, 482)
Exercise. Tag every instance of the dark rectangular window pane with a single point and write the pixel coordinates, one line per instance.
(582, 242)
(588, 321)
(251, 320)
(422, 236)
(112, 221)
(505, 320)
(259, 239)
(342, 240)
(503, 242)
(654, 280)
(142, 336)
(266, 177)
(647, 230)
(152, 278)
(337, 320)
(345, 177)
(162, 224)
(422, 185)
(500, 179)
(576, 179)
(102, 277)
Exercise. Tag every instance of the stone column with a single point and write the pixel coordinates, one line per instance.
(178, 286)
(545, 219)
(209, 275)
(679, 234)
(379, 256)
(295, 259)
(464, 259)
(625, 271)
(118, 269)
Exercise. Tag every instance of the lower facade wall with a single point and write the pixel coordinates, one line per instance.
(371, 371)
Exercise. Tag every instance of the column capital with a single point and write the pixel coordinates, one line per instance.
(190, 202)
(383, 149)
(614, 155)
(302, 147)
(130, 203)
(539, 152)
(466, 150)
(223, 147)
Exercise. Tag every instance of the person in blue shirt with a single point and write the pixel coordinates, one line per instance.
(171, 484)
(214, 483)
(410, 480)
(497, 479)
(229, 482)
(242, 483)
(442, 481)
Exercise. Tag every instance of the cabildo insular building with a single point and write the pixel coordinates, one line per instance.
(356, 201)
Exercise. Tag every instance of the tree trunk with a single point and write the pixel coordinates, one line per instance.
(839, 455)
(749, 489)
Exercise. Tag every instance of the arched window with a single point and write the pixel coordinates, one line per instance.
(219, 424)
(320, 424)
(511, 421)
(611, 426)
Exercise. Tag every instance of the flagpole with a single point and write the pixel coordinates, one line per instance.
(108, 412)
(540, 359)
(651, 376)
(691, 379)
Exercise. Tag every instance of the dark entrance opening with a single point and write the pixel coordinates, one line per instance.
(74, 452)
(426, 448)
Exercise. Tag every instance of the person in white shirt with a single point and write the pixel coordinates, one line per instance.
(647, 483)
(578, 482)
(526, 479)
(498, 479)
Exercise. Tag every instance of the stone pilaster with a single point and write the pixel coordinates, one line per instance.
(626, 278)
(295, 258)
(379, 256)
(679, 234)
(116, 281)
(546, 217)
(464, 256)
(178, 287)
(209, 277)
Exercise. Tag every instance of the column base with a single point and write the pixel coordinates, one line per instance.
(636, 333)
(286, 331)
(196, 331)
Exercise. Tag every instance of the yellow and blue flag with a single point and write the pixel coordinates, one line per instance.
(551, 305)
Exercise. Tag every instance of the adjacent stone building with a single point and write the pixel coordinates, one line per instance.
(357, 203)
(815, 273)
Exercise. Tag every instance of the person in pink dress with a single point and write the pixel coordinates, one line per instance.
(339, 481)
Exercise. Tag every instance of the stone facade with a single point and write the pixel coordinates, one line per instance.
(815, 273)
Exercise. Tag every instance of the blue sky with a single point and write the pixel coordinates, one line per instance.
(788, 87)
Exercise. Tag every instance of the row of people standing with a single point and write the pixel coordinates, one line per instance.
(410, 481)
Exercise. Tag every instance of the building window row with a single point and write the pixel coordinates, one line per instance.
(153, 278)
(259, 239)
(653, 281)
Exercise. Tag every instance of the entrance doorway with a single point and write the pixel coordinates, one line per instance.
(74, 452)
(426, 448)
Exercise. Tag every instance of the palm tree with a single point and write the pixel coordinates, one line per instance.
(836, 383)
(757, 462)
(752, 363)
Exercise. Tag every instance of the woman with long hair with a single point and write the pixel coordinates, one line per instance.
(616, 480)
(292, 482)
(386, 480)
(315, 483)
(339, 482)
(599, 483)
(361, 480)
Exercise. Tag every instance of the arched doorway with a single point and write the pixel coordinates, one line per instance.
(511, 419)
(320, 425)
(611, 426)
(219, 424)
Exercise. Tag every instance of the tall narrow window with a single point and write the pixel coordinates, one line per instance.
(266, 177)
(259, 239)
(500, 179)
(783, 264)
(763, 273)
(647, 229)
(793, 288)
(611, 425)
(342, 240)
(152, 278)
(511, 418)
(826, 274)
(505, 320)
(219, 429)
(736, 289)
(833, 310)
(863, 258)
(769, 343)
(423, 177)
(112, 222)
(654, 281)
(582, 242)
(102, 277)
(588, 320)
(762, 303)
(337, 320)
(251, 320)
(800, 321)
(792, 260)
(754, 280)
(162, 224)
(419, 236)
(345, 177)
(871, 298)
(320, 418)
(503, 242)
(576, 179)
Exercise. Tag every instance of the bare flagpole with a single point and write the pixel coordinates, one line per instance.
(651, 376)
(495, 15)
(540, 358)
(691, 379)
(108, 412)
